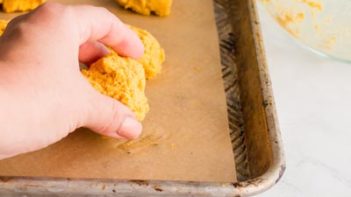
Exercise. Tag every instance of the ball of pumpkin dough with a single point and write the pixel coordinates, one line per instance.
(122, 79)
(153, 56)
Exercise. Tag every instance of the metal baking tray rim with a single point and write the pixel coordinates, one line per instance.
(73, 187)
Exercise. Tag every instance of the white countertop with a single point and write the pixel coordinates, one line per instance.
(313, 99)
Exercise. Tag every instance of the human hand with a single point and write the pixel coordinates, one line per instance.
(43, 96)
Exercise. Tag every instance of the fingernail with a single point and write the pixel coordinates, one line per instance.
(130, 128)
(104, 49)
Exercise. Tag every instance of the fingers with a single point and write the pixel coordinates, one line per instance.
(92, 51)
(111, 118)
(98, 24)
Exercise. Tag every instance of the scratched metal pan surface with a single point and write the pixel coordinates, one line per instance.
(252, 120)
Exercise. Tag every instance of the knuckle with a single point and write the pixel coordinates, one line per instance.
(20, 30)
(50, 8)
(53, 13)
(104, 12)
(102, 9)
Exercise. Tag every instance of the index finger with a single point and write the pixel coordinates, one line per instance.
(98, 24)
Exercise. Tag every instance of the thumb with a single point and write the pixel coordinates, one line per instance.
(109, 117)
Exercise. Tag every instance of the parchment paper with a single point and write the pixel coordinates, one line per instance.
(186, 134)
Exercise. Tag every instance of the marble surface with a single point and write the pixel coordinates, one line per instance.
(313, 98)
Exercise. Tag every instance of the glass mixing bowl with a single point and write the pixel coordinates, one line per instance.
(322, 25)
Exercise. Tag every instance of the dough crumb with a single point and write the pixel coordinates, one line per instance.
(3, 24)
(148, 7)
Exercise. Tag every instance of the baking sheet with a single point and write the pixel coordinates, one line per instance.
(186, 133)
